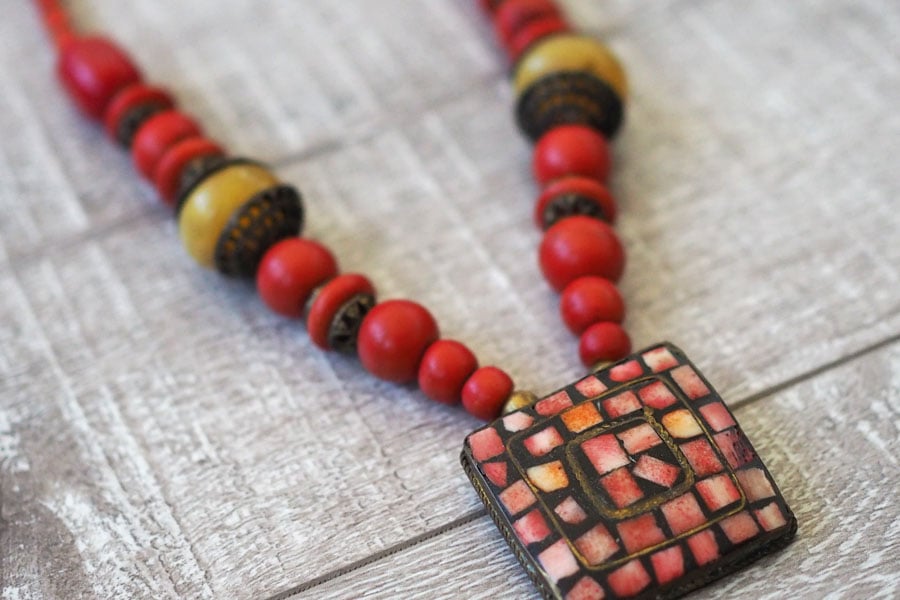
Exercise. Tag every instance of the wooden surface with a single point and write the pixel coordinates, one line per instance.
(163, 435)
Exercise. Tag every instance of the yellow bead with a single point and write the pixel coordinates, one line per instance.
(209, 206)
(519, 399)
(571, 52)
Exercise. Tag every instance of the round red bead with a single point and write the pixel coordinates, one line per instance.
(589, 300)
(486, 391)
(158, 134)
(571, 150)
(289, 272)
(393, 337)
(533, 32)
(579, 246)
(129, 98)
(513, 15)
(167, 174)
(445, 367)
(590, 189)
(329, 300)
(93, 70)
(602, 342)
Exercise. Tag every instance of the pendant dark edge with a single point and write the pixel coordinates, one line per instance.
(777, 539)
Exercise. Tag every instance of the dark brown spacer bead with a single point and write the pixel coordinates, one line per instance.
(267, 218)
(567, 205)
(569, 98)
(132, 121)
(199, 169)
(347, 320)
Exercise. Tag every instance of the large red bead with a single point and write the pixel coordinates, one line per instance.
(130, 98)
(445, 367)
(571, 150)
(289, 272)
(603, 342)
(579, 246)
(486, 391)
(393, 337)
(93, 70)
(532, 32)
(589, 300)
(168, 170)
(158, 134)
(584, 187)
(329, 300)
(513, 15)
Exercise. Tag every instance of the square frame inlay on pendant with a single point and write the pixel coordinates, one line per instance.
(636, 481)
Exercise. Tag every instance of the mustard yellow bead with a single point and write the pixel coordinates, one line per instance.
(571, 52)
(208, 207)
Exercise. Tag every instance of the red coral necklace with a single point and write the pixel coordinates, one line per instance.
(635, 481)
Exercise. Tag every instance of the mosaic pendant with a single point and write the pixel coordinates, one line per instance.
(635, 482)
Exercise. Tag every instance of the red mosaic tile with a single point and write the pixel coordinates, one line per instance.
(639, 438)
(517, 421)
(668, 564)
(702, 457)
(626, 371)
(657, 395)
(629, 579)
(621, 487)
(590, 387)
(690, 383)
(532, 527)
(755, 484)
(543, 441)
(496, 472)
(683, 513)
(596, 545)
(570, 511)
(586, 589)
(604, 453)
(718, 492)
(735, 448)
(704, 547)
(622, 404)
(660, 359)
(717, 416)
(558, 561)
(486, 444)
(554, 404)
(739, 527)
(770, 517)
(517, 497)
(640, 532)
(655, 470)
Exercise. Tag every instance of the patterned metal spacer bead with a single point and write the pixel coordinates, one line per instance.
(566, 98)
(268, 217)
(347, 320)
(567, 205)
(128, 126)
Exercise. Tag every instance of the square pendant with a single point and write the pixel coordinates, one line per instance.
(636, 481)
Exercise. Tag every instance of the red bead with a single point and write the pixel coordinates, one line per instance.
(513, 15)
(486, 391)
(445, 367)
(575, 185)
(490, 6)
(589, 300)
(329, 300)
(579, 246)
(289, 272)
(158, 134)
(93, 70)
(571, 150)
(393, 337)
(129, 98)
(167, 174)
(603, 342)
(533, 32)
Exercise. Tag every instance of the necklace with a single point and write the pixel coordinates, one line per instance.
(633, 481)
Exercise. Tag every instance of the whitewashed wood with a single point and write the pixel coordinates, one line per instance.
(834, 456)
(207, 449)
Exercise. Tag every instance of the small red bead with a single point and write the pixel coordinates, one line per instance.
(571, 150)
(579, 246)
(329, 300)
(580, 186)
(289, 272)
(602, 342)
(158, 134)
(533, 32)
(490, 6)
(93, 70)
(167, 174)
(129, 98)
(589, 300)
(445, 367)
(513, 15)
(486, 391)
(393, 337)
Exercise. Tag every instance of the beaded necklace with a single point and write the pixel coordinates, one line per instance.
(635, 481)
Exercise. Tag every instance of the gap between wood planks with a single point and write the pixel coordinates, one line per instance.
(477, 514)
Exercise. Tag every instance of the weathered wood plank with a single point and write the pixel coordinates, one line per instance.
(759, 220)
(831, 442)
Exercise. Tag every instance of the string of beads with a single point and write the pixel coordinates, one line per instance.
(236, 216)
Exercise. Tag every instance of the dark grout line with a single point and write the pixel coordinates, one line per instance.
(399, 547)
(472, 516)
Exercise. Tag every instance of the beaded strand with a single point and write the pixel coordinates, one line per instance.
(236, 216)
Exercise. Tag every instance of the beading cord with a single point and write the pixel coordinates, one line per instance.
(236, 216)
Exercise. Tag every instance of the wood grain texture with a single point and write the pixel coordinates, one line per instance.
(164, 436)
(834, 457)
